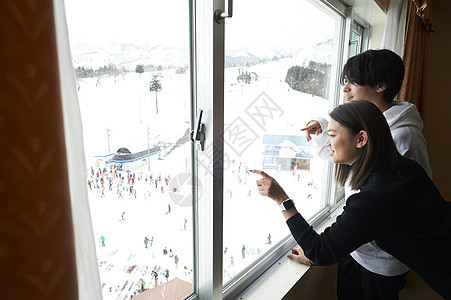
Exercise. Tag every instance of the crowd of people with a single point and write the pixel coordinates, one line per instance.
(112, 182)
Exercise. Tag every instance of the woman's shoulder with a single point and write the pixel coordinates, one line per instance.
(408, 174)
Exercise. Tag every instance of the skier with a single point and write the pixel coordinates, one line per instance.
(155, 276)
(166, 274)
(176, 260)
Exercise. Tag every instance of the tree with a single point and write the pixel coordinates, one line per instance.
(312, 79)
(243, 77)
(139, 69)
(155, 86)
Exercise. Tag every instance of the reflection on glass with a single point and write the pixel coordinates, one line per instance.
(132, 64)
(279, 69)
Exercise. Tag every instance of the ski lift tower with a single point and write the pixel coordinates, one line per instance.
(108, 138)
(148, 149)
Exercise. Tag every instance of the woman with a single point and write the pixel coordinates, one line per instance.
(398, 205)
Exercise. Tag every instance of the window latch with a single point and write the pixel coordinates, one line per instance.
(197, 136)
(221, 15)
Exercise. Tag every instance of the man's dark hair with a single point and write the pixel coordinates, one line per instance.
(374, 67)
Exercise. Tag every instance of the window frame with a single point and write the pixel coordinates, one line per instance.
(354, 23)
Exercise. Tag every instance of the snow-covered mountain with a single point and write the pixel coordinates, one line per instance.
(321, 52)
(128, 56)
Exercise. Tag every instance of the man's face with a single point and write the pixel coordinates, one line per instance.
(354, 91)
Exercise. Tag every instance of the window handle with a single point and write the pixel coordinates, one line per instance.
(221, 15)
(197, 135)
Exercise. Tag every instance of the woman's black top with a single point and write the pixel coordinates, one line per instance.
(405, 215)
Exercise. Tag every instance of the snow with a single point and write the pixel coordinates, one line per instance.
(120, 112)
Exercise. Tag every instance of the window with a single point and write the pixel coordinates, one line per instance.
(132, 63)
(357, 44)
(164, 210)
(280, 70)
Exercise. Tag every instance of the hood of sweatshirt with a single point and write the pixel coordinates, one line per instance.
(403, 113)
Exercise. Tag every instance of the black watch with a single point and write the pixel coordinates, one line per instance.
(286, 205)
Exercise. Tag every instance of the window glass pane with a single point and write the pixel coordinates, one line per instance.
(131, 59)
(356, 39)
(280, 73)
(354, 44)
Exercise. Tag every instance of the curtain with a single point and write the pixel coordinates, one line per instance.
(37, 256)
(394, 30)
(89, 287)
(417, 28)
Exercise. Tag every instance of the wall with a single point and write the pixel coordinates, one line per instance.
(436, 97)
(318, 283)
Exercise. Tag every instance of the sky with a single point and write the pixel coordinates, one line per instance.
(289, 24)
(132, 21)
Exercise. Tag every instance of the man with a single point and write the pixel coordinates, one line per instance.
(375, 76)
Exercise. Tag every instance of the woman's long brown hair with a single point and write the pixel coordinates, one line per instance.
(379, 154)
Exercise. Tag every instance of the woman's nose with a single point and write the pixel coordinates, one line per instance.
(327, 143)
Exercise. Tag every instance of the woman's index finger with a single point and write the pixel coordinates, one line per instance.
(260, 172)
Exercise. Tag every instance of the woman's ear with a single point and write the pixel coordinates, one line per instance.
(362, 139)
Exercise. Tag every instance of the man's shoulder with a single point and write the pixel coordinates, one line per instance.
(403, 114)
(399, 107)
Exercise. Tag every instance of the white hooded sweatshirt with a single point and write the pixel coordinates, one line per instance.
(406, 128)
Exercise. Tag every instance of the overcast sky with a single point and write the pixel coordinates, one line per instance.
(283, 23)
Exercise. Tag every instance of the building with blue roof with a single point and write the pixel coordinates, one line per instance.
(284, 152)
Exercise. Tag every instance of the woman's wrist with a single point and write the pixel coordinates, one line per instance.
(281, 199)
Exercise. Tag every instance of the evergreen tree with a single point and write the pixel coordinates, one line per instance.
(312, 79)
(155, 86)
(244, 77)
(139, 69)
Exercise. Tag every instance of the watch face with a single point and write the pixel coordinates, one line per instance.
(288, 204)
